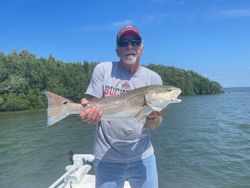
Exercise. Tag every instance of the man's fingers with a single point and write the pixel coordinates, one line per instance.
(83, 115)
(164, 110)
(91, 115)
(154, 114)
(84, 102)
(99, 115)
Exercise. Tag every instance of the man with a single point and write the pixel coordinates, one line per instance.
(123, 149)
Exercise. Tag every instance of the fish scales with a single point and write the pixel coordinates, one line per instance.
(122, 103)
(136, 103)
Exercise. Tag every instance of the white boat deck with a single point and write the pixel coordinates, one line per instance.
(76, 175)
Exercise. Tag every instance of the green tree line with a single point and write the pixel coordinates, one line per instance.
(24, 78)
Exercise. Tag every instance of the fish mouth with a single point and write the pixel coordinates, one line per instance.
(176, 100)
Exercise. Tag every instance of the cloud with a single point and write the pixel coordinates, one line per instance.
(122, 23)
(229, 13)
(102, 27)
(115, 25)
(153, 18)
(235, 13)
(181, 3)
(163, 17)
(158, 1)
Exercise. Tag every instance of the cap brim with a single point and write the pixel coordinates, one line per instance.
(130, 32)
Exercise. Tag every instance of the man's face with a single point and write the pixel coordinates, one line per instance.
(129, 49)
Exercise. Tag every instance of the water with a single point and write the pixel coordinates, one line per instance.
(203, 143)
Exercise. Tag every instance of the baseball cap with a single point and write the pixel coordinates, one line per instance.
(128, 29)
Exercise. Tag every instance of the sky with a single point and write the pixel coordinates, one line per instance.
(210, 37)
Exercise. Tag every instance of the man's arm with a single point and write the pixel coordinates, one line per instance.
(154, 119)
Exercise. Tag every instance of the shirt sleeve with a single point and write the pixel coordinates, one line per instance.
(156, 79)
(95, 87)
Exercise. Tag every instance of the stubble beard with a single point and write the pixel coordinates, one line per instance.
(129, 59)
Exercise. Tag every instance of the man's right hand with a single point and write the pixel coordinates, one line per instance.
(91, 115)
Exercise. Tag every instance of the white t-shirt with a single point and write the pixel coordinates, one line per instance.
(121, 141)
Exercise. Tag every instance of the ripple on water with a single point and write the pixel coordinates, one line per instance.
(203, 143)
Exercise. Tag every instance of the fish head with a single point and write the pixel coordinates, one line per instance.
(159, 97)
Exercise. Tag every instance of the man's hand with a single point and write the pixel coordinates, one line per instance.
(90, 114)
(154, 119)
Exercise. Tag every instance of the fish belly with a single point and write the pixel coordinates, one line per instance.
(122, 115)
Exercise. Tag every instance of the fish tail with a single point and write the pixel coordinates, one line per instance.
(59, 108)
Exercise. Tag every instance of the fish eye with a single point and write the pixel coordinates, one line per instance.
(169, 89)
(65, 102)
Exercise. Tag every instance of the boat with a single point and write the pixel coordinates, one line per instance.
(77, 174)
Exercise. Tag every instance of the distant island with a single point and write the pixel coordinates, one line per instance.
(24, 78)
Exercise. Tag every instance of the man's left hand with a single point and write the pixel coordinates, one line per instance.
(154, 119)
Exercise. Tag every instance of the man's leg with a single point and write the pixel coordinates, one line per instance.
(109, 175)
(143, 174)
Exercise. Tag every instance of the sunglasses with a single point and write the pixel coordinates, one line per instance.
(125, 42)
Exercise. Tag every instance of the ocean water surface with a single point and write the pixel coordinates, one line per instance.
(204, 142)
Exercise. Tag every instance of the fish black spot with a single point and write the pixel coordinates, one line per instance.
(65, 102)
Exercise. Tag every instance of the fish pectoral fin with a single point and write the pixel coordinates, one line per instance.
(143, 112)
(155, 108)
